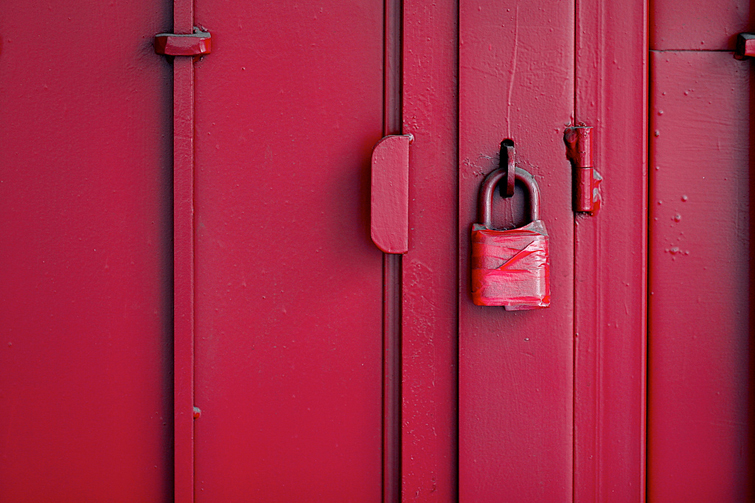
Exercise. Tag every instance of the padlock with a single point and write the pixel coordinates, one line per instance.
(510, 268)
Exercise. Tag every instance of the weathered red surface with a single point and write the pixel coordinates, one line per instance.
(429, 272)
(697, 25)
(183, 260)
(288, 282)
(610, 251)
(85, 301)
(515, 369)
(389, 194)
(700, 322)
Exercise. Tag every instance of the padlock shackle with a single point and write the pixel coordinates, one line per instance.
(489, 185)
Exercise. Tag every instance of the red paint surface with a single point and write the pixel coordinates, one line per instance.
(85, 301)
(610, 256)
(389, 194)
(183, 275)
(183, 260)
(697, 25)
(515, 369)
(429, 272)
(288, 282)
(700, 339)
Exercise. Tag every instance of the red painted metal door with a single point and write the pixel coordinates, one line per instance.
(85, 254)
(287, 318)
(700, 417)
(288, 283)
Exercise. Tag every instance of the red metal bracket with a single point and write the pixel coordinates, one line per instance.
(389, 208)
(745, 46)
(198, 43)
(578, 141)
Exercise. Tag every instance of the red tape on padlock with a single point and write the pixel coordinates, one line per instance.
(510, 268)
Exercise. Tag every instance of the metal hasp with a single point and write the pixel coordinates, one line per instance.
(389, 194)
(194, 44)
(587, 180)
(745, 46)
(508, 164)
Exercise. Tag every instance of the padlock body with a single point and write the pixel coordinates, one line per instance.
(511, 268)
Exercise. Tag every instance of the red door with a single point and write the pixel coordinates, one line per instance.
(85, 253)
(289, 301)
(297, 361)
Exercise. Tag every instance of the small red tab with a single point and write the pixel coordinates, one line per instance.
(194, 44)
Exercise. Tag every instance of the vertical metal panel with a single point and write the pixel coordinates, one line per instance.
(700, 319)
(85, 301)
(610, 256)
(288, 281)
(430, 297)
(516, 369)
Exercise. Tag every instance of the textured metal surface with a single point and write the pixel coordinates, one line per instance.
(697, 25)
(288, 283)
(183, 261)
(701, 320)
(429, 272)
(85, 301)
